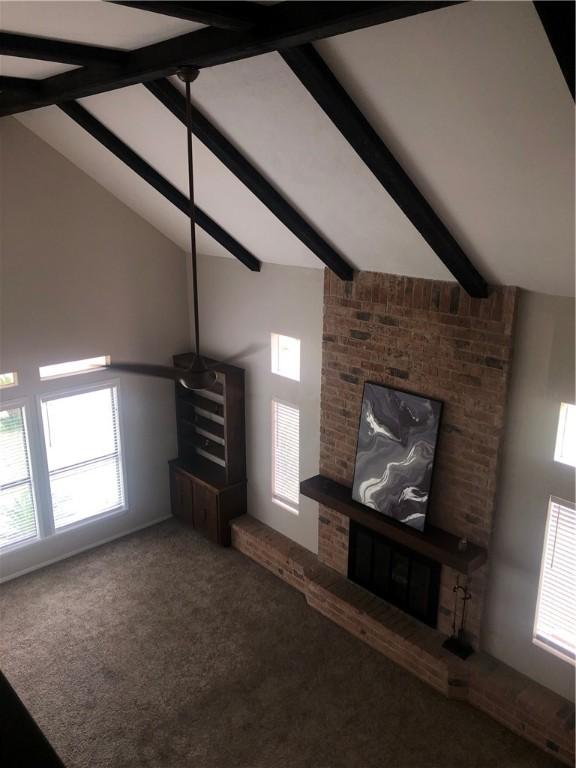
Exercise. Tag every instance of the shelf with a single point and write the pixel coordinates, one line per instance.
(434, 543)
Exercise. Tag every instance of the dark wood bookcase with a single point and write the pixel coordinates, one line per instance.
(208, 480)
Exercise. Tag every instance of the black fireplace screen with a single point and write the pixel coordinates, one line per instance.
(395, 573)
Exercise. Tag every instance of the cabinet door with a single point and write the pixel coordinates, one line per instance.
(181, 496)
(206, 511)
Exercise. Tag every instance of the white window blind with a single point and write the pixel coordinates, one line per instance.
(82, 437)
(17, 508)
(555, 625)
(285, 453)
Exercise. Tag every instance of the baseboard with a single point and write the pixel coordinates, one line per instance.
(98, 543)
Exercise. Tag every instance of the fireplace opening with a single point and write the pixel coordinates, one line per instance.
(397, 574)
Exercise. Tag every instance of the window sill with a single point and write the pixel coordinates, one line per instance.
(555, 651)
(93, 519)
(285, 505)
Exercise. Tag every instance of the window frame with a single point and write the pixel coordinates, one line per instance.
(275, 356)
(278, 499)
(13, 384)
(25, 404)
(58, 394)
(95, 368)
(539, 640)
(559, 456)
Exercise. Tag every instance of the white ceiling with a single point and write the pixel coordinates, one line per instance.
(470, 98)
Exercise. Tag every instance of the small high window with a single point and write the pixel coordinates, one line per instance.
(58, 370)
(286, 356)
(286, 455)
(9, 379)
(566, 437)
(555, 623)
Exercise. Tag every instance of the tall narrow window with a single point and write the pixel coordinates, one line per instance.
(566, 436)
(285, 356)
(286, 454)
(555, 624)
(82, 438)
(17, 508)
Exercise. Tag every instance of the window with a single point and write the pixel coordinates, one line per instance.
(73, 367)
(566, 437)
(82, 438)
(555, 624)
(286, 356)
(286, 454)
(17, 507)
(8, 379)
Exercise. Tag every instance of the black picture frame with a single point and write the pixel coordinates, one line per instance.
(407, 499)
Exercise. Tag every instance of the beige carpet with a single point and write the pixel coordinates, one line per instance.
(162, 650)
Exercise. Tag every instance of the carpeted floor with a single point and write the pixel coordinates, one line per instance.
(162, 650)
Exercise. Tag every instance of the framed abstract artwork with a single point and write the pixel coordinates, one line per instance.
(397, 440)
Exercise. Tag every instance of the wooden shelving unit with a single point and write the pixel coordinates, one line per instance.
(434, 543)
(208, 480)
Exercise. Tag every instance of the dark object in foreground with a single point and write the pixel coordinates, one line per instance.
(22, 743)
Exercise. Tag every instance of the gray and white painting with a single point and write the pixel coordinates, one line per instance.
(395, 454)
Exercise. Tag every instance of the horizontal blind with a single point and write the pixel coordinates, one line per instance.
(82, 438)
(17, 509)
(556, 612)
(285, 452)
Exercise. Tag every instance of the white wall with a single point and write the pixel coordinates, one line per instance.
(82, 275)
(542, 377)
(239, 308)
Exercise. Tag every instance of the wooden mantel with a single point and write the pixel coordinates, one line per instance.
(434, 543)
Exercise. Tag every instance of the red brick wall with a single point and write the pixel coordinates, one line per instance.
(429, 338)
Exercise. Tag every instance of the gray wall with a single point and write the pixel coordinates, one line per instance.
(239, 308)
(82, 275)
(542, 377)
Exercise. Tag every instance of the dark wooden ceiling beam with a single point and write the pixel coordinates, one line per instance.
(47, 49)
(558, 20)
(23, 85)
(123, 152)
(224, 15)
(287, 24)
(235, 161)
(314, 74)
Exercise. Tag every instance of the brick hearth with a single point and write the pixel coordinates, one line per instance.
(519, 703)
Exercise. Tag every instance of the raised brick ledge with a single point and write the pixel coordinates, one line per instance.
(517, 702)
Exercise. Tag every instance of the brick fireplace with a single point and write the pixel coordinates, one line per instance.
(429, 338)
(432, 339)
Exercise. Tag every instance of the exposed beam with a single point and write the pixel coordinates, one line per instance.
(314, 74)
(23, 85)
(46, 49)
(227, 153)
(123, 152)
(558, 21)
(225, 15)
(287, 24)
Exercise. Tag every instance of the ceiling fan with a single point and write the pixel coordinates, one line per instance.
(200, 374)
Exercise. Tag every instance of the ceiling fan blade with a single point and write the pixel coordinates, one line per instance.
(190, 379)
(251, 349)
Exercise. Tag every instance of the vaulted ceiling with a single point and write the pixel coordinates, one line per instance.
(470, 99)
